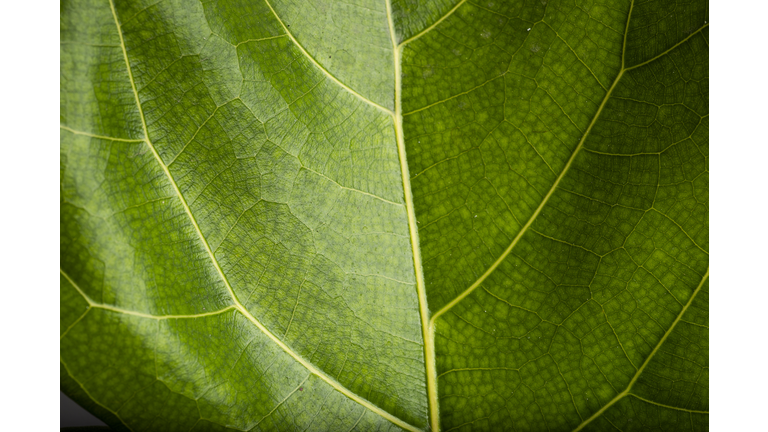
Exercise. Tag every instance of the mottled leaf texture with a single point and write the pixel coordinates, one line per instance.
(371, 215)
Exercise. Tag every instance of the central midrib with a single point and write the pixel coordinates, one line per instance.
(429, 342)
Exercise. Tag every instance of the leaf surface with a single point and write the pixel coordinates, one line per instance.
(453, 215)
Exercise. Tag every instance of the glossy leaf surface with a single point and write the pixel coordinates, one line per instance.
(374, 215)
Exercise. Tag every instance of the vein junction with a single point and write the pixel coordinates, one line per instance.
(554, 187)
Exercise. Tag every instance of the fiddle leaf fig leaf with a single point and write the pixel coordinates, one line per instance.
(385, 214)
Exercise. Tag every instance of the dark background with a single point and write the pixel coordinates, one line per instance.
(72, 414)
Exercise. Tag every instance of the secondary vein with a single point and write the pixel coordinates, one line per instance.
(434, 24)
(535, 214)
(549, 194)
(647, 360)
(319, 66)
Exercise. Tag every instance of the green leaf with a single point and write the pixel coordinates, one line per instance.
(375, 215)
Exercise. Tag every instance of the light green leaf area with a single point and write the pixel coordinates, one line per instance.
(373, 215)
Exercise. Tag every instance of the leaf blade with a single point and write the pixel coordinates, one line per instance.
(248, 240)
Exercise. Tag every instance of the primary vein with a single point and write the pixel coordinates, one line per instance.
(429, 342)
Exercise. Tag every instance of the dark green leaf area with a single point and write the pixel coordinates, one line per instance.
(588, 317)
(492, 120)
(657, 26)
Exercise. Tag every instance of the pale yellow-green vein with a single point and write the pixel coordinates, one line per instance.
(429, 343)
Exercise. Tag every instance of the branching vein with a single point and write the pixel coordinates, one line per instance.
(324, 70)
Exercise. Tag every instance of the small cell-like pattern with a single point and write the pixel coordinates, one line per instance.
(235, 246)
